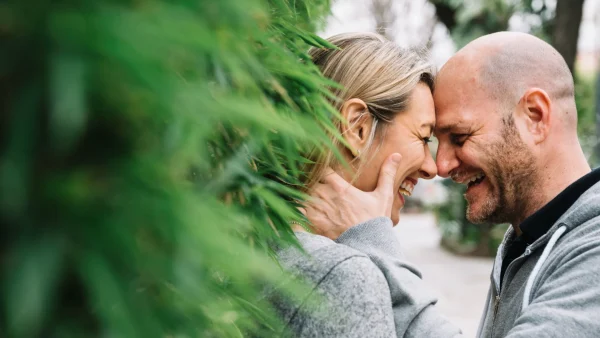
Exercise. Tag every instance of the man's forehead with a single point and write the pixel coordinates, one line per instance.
(460, 111)
(449, 121)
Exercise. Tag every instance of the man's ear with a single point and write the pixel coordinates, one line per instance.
(536, 108)
(357, 125)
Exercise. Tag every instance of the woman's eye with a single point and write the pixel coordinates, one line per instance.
(458, 139)
(427, 140)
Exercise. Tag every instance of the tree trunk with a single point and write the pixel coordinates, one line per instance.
(566, 29)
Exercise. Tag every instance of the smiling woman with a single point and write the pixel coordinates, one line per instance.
(386, 107)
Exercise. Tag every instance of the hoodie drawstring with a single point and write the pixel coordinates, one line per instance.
(538, 266)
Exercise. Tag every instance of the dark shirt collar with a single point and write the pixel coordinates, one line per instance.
(536, 225)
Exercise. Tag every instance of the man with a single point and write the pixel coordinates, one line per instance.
(507, 127)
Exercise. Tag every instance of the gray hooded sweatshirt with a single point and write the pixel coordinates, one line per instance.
(362, 287)
(552, 290)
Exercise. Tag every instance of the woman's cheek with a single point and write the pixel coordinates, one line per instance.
(414, 159)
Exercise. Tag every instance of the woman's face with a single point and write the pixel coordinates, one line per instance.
(407, 134)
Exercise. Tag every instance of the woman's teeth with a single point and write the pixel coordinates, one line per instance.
(406, 188)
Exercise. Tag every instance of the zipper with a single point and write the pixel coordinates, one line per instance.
(503, 284)
(496, 303)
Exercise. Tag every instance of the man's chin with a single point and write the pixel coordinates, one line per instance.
(474, 218)
(477, 215)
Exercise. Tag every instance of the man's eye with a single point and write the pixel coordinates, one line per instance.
(426, 140)
(458, 139)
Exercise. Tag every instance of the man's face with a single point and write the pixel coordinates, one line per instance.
(479, 145)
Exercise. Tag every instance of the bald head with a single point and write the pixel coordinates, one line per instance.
(506, 64)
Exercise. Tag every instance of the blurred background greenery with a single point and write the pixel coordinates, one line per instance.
(148, 149)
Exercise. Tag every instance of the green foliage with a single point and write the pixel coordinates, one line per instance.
(147, 157)
(470, 19)
(585, 98)
(480, 18)
(543, 26)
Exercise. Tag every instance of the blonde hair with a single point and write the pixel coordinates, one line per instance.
(375, 70)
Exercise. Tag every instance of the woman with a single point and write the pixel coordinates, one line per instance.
(387, 106)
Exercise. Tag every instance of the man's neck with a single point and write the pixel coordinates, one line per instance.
(553, 177)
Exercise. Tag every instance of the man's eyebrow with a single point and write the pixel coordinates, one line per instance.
(460, 127)
(445, 129)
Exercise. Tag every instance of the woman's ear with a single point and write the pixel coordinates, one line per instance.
(357, 124)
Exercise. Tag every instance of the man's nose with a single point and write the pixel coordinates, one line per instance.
(446, 161)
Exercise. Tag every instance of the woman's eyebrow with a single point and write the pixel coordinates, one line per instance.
(431, 126)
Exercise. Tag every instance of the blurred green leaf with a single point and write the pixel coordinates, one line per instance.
(152, 156)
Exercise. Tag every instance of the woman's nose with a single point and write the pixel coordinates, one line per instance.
(428, 170)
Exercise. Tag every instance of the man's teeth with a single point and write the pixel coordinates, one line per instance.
(475, 178)
(406, 188)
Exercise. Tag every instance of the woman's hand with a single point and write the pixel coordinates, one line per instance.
(336, 205)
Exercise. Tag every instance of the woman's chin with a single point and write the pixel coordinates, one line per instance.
(397, 206)
(395, 217)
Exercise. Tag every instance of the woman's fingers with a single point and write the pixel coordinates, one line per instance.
(334, 180)
(335, 205)
(387, 176)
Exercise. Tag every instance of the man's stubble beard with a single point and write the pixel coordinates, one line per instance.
(510, 174)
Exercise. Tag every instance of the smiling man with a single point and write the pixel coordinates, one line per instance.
(506, 121)
(507, 126)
